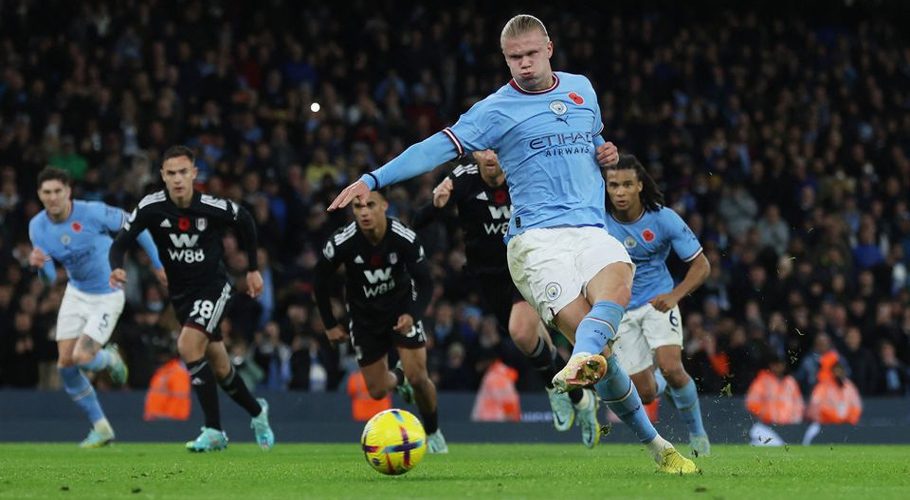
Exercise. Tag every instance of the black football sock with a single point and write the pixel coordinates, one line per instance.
(399, 376)
(203, 382)
(430, 421)
(542, 361)
(234, 386)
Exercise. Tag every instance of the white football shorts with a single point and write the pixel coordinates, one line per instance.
(92, 314)
(643, 330)
(552, 266)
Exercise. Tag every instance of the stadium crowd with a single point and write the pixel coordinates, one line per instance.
(785, 145)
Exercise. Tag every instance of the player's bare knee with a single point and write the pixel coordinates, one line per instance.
(81, 357)
(647, 395)
(65, 362)
(523, 335)
(377, 392)
(419, 379)
(674, 373)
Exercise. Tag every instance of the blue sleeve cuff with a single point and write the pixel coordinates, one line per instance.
(370, 180)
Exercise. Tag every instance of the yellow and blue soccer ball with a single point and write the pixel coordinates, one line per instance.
(393, 442)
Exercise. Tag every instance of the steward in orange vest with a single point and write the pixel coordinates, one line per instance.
(168, 396)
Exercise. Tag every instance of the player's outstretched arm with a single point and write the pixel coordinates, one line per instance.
(699, 269)
(418, 159)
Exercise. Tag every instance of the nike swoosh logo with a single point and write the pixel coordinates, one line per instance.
(557, 419)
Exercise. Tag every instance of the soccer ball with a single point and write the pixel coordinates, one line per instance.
(393, 442)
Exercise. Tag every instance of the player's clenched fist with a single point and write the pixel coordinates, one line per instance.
(607, 154)
(442, 193)
(118, 278)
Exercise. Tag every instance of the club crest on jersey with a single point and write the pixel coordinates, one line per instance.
(630, 242)
(553, 291)
(201, 223)
(558, 108)
(577, 99)
(393, 258)
(647, 235)
(77, 227)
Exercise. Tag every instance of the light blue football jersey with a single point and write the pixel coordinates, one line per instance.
(81, 244)
(648, 241)
(546, 145)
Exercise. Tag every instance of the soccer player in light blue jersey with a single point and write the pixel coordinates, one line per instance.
(78, 235)
(545, 127)
(651, 329)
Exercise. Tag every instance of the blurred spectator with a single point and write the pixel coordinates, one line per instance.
(811, 363)
(863, 368)
(895, 377)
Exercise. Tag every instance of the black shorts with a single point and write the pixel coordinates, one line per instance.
(371, 343)
(202, 308)
(499, 294)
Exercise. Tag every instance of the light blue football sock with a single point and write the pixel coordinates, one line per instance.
(686, 400)
(598, 327)
(101, 361)
(661, 383)
(622, 398)
(81, 392)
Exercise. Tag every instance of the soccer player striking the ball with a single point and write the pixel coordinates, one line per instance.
(652, 327)
(478, 189)
(188, 228)
(78, 235)
(545, 126)
(388, 287)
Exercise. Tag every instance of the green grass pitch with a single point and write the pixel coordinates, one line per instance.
(137, 470)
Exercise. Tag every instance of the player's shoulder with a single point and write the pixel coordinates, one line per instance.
(401, 231)
(220, 204)
(572, 79)
(38, 220)
(151, 200)
(667, 215)
(344, 234)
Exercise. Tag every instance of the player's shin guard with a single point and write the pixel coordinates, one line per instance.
(81, 392)
(101, 361)
(234, 386)
(203, 382)
(620, 395)
(598, 327)
(685, 399)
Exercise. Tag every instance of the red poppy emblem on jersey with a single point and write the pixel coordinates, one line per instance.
(183, 223)
(647, 235)
(577, 99)
(376, 260)
(77, 227)
(500, 197)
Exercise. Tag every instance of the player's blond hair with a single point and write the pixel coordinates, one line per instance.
(521, 24)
